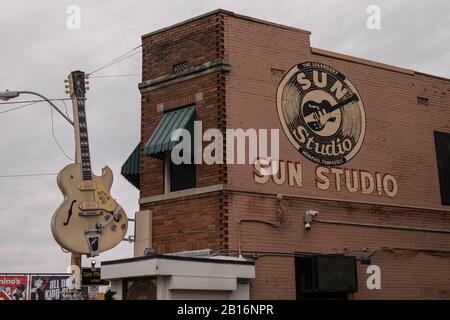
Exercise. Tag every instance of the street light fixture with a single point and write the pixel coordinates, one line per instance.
(6, 95)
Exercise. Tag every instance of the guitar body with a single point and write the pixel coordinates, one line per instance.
(319, 115)
(85, 205)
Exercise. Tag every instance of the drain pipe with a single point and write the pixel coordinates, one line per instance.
(373, 225)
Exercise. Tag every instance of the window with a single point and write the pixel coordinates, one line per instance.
(160, 144)
(140, 289)
(179, 177)
(325, 276)
(442, 143)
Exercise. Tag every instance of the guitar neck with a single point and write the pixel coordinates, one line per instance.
(82, 153)
(354, 97)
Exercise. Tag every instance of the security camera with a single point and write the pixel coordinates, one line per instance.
(309, 218)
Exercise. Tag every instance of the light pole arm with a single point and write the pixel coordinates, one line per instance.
(51, 103)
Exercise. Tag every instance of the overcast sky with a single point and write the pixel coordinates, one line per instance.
(37, 51)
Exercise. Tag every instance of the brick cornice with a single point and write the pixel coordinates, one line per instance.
(190, 73)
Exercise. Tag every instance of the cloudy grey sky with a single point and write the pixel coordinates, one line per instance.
(37, 51)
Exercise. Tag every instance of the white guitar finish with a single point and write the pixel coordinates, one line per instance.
(89, 220)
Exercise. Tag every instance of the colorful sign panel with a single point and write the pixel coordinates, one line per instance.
(13, 287)
(48, 287)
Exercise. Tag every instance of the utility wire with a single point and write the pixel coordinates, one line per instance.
(28, 175)
(117, 61)
(40, 100)
(56, 140)
(124, 56)
(16, 108)
(116, 76)
(65, 107)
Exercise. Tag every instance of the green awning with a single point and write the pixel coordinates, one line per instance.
(160, 141)
(131, 168)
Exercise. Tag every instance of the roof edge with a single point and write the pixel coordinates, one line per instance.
(179, 258)
(230, 13)
(419, 73)
(371, 63)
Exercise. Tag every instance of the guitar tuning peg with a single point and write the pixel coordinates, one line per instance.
(86, 82)
(87, 88)
(67, 92)
(66, 81)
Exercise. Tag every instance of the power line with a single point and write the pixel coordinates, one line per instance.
(124, 56)
(16, 108)
(28, 175)
(117, 61)
(116, 76)
(39, 100)
(65, 107)
(53, 127)
(56, 140)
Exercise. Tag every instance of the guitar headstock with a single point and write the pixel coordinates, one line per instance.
(76, 84)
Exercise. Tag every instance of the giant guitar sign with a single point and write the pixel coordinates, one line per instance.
(89, 220)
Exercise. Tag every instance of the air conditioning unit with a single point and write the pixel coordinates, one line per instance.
(325, 274)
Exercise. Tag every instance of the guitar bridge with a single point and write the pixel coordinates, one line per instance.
(89, 213)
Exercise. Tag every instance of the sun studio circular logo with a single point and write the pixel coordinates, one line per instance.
(321, 113)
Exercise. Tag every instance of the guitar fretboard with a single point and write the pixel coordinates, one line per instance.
(84, 140)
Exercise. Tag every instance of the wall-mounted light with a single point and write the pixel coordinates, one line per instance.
(309, 218)
(148, 251)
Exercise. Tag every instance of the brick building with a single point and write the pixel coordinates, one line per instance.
(364, 144)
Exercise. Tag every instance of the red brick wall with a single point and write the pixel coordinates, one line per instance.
(187, 224)
(194, 222)
(195, 43)
(405, 274)
(399, 133)
(398, 141)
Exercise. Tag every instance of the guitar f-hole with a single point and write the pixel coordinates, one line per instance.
(69, 213)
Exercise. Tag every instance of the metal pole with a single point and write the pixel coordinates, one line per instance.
(75, 258)
(51, 103)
